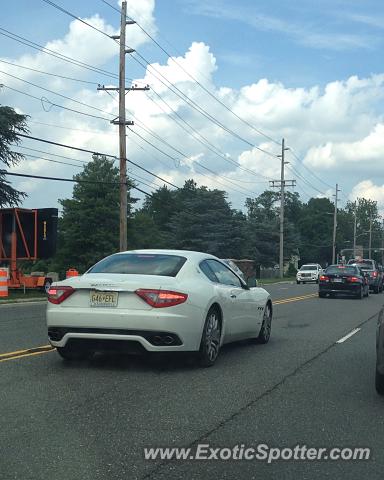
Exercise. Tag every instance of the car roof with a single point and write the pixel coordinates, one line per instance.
(190, 255)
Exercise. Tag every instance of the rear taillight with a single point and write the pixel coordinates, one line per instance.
(353, 279)
(57, 295)
(324, 278)
(161, 298)
(374, 274)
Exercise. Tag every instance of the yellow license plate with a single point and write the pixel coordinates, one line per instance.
(103, 299)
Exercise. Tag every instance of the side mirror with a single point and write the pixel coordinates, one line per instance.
(251, 282)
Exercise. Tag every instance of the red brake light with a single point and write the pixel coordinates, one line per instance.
(324, 278)
(375, 274)
(57, 295)
(353, 279)
(161, 298)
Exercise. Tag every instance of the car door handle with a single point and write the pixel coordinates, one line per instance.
(233, 295)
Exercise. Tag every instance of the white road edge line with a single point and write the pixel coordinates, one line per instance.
(349, 335)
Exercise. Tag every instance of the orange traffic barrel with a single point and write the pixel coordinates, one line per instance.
(3, 283)
(72, 272)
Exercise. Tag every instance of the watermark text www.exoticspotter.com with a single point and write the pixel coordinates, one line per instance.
(261, 453)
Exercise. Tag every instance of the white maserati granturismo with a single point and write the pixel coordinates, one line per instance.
(156, 301)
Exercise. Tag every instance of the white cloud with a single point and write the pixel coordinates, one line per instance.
(362, 153)
(367, 189)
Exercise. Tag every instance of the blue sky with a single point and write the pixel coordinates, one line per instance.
(310, 71)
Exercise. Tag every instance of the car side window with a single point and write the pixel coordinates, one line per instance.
(206, 269)
(223, 274)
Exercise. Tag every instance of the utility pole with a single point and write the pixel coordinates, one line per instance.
(370, 238)
(282, 183)
(382, 244)
(335, 226)
(122, 122)
(354, 230)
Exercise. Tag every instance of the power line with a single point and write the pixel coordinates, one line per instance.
(197, 82)
(53, 154)
(51, 74)
(195, 163)
(290, 167)
(52, 104)
(72, 180)
(308, 170)
(58, 94)
(94, 153)
(206, 143)
(41, 48)
(75, 17)
(48, 159)
(190, 102)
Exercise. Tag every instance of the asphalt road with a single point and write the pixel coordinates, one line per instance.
(92, 420)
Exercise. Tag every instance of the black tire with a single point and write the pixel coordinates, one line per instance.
(317, 281)
(321, 295)
(376, 289)
(71, 353)
(298, 283)
(359, 295)
(265, 331)
(210, 339)
(379, 383)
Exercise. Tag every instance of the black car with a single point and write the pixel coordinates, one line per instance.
(380, 353)
(344, 279)
(375, 273)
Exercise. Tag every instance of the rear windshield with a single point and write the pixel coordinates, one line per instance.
(140, 264)
(342, 270)
(365, 265)
(308, 267)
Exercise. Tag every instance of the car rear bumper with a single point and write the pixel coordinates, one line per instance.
(155, 330)
(341, 289)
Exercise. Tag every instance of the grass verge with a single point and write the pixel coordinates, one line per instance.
(268, 281)
(16, 296)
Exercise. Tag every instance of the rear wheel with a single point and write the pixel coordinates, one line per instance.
(71, 353)
(265, 331)
(297, 281)
(210, 340)
(321, 295)
(359, 295)
(379, 383)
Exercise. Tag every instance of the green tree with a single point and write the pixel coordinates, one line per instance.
(11, 124)
(89, 226)
(263, 213)
(315, 227)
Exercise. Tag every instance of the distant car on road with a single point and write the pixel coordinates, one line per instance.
(309, 273)
(375, 274)
(156, 301)
(379, 379)
(231, 264)
(343, 279)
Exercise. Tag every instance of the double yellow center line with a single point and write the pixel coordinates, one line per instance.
(4, 357)
(295, 299)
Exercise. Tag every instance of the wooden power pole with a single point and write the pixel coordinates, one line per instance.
(335, 226)
(282, 183)
(122, 122)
